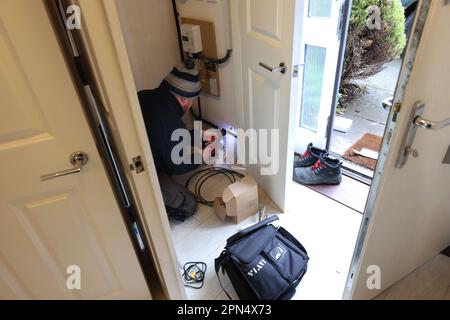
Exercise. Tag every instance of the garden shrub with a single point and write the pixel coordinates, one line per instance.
(369, 49)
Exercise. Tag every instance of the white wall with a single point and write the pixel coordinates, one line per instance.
(221, 111)
(150, 35)
(151, 38)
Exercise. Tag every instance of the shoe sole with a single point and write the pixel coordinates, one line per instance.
(328, 182)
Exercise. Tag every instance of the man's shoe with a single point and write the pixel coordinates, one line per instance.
(327, 170)
(309, 158)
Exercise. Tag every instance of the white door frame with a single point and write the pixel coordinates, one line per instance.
(111, 65)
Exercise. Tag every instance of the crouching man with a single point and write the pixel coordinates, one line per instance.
(163, 109)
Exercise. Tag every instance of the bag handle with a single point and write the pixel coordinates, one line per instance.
(217, 266)
(253, 228)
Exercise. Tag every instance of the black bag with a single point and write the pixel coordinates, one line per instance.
(263, 262)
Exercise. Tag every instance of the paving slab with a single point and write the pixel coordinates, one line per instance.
(366, 111)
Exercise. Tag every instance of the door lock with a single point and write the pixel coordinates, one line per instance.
(409, 135)
(416, 121)
(412, 152)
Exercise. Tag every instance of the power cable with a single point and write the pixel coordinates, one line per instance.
(194, 274)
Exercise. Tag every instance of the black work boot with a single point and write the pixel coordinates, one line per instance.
(327, 170)
(309, 158)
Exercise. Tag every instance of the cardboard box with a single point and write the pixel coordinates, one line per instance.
(239, 200)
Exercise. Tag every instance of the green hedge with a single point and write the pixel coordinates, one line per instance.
(368, 50)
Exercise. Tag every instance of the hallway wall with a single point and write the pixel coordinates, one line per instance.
(150, 36)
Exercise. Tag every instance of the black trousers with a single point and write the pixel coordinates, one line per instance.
(180, 203)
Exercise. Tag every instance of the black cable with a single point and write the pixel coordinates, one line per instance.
(218, 61)
(197, 117)
(199, 109)
(177, 21)
(215, 60)
(204, 175)
(194, 274)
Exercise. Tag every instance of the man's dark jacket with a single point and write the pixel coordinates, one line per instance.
(162, 115)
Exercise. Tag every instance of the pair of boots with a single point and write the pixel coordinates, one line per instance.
(315, 166)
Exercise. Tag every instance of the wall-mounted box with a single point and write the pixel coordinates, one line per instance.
(209, 74)
(191, 37)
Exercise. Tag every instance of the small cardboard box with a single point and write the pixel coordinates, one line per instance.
(239, 200)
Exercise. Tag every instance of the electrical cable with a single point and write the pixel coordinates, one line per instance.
(200, 177)
(223, 60)
(194, 274)
(176, 14)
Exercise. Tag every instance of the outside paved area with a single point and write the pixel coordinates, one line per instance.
(366, 111)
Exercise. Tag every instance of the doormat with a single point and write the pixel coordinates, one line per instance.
(367, 141)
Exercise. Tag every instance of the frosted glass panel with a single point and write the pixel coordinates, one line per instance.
(312, 86)
(319, 8)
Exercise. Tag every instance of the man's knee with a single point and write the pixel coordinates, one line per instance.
(180, 203)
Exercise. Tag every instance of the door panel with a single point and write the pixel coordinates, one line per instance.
(263, 92)
(266, 36)
(320, 51)
(315, 58)
(320, 8)
(72, 220)
(410, 215)
(265, 18)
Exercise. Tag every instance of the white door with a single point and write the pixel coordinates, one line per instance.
(409, 218)
(320, 51)
(266, 29)
(73, 220)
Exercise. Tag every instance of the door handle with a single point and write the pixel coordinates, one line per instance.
(416, 121)
(281, 68)
(432, 125)
(77, 159)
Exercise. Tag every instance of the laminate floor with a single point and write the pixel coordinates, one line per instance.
(326, 228)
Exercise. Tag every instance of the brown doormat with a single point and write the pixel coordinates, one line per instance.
(367, 141)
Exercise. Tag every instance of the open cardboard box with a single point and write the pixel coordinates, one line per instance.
(239, 200)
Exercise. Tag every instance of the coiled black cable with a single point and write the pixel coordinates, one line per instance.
(194, 274)
(200, 177)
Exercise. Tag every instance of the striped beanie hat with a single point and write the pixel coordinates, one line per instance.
(183, 81)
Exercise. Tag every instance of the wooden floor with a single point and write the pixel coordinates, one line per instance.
(326, 228)
(429, 282)
(349, 192)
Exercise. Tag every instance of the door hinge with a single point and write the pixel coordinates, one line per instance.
(295, 72)
(137, 165)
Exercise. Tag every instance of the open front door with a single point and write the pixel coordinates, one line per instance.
(408, 221)
(266, 36)
(320, 51)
